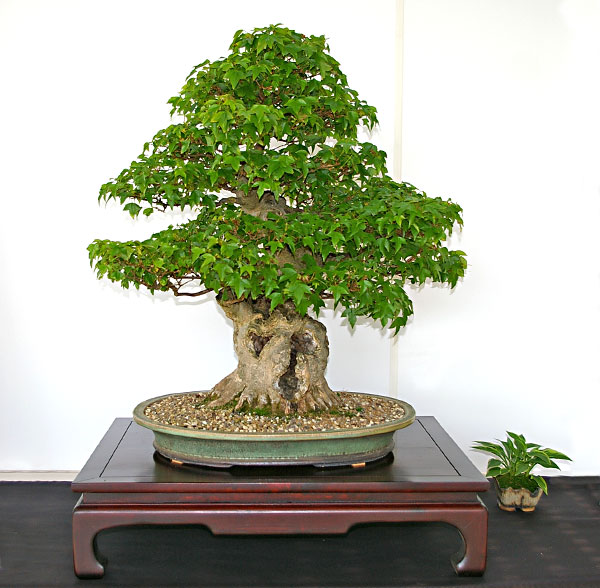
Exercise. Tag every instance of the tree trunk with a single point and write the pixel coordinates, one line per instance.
(282, 360)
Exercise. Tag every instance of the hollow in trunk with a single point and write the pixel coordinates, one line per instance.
(282, 360)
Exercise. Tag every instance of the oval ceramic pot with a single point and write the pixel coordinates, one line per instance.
(320, 448)
(510, 499)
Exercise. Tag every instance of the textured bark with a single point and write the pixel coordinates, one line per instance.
(282, 360)
(251, 204)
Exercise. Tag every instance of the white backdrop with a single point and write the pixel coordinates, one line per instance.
(499, 113)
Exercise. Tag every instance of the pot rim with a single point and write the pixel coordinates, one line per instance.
(519, 488)
(141, 419)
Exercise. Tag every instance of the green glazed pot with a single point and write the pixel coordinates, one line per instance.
(320, 448)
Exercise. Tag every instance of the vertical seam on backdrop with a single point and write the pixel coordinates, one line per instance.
(397, 161)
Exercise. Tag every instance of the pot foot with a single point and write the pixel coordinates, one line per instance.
(506, 508)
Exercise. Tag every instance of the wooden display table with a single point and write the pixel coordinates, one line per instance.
(428, 479)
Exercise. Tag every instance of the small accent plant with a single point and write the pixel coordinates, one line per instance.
(514, 460)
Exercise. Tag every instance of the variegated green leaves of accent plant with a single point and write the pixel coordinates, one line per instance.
(515, 458)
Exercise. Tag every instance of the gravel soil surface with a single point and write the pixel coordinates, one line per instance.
(355, 411)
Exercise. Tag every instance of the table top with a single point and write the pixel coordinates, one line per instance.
(425, 459)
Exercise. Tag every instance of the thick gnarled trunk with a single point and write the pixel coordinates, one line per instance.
(282, 360)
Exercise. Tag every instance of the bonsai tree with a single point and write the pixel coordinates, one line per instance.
(291, 210)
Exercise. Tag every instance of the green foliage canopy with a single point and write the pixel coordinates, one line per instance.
(290, 204)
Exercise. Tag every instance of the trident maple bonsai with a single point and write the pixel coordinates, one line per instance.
(292, 209)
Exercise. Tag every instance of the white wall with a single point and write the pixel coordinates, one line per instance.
(84, 85)
(499, 113)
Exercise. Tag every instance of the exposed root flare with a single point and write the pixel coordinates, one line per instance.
(282, 361)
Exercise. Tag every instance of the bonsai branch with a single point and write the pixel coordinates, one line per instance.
(178, 292)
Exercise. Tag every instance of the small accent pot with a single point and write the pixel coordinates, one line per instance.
(509, 499)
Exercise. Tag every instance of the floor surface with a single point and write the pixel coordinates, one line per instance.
(557, 545)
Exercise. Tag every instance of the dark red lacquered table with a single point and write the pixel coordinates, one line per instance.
(428, 478)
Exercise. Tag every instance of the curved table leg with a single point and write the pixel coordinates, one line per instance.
(87, 561)
(471, 520)
(472, 525)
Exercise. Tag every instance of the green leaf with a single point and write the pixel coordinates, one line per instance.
(262, 44)
(234, 76)
(553, 454)
(541, 483)
(274, 246)
(233, 160)
(309, 242)
(196, 252)
(336, 238)
(542, 459)
(132, 208)
(489, 448)
(494, 472)
(509, 448)
(278, 166)
(263, 187)
(326, 250)
(222, 269)
(207, 260)
(351, 316)
(240, 285)
(338, 290)
(519, 441)
(276, 300)
(298, 291)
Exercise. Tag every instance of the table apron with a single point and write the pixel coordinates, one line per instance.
(267, 498)
(277, 520)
